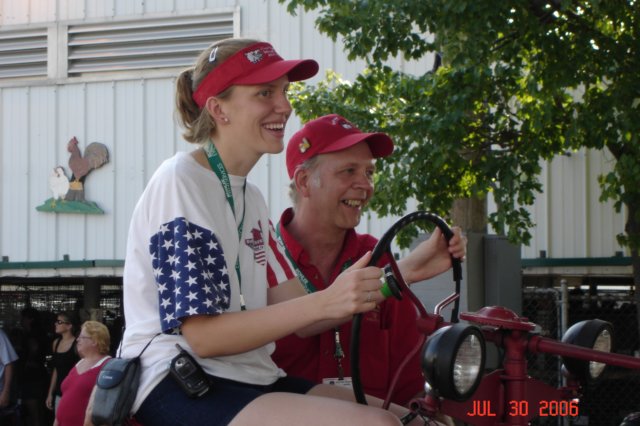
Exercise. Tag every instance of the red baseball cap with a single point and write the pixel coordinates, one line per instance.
(255, 64)
(331, 133)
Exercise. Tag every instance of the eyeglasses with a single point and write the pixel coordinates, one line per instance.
(84, 337)
(62, 322)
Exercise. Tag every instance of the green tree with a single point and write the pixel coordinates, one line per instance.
(521, 81)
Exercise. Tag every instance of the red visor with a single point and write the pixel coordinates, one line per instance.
(255, 64)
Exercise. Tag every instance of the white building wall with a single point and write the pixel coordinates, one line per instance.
(132, 114)
(571, 222)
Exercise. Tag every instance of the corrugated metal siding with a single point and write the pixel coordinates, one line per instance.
(133, 116)
(15, 171)
(604, 223)
(124, 116)
(20, 12)
(571, 221)
(41, 157)
(14, 12)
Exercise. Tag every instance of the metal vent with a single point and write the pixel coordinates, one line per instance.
(143, 44)
(23, 53)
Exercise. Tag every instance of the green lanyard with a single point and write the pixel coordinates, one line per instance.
(310, 288)
(306, 283)
(218, 167)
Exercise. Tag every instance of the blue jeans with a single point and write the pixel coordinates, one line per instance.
(167, 404)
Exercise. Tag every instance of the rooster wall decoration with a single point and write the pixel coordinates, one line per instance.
(68, 193)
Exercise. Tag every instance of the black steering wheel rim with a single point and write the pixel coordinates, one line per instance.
(384, 246)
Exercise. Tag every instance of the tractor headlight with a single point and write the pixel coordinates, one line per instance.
(453, 360)
(594, 334)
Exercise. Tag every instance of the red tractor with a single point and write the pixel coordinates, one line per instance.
(454, 353)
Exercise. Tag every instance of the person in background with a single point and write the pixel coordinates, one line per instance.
(202, 254)
(8, 357)
(331, 164)
(33, 375)
(93, 344)
(64, 356)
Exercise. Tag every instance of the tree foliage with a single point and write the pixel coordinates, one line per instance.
(520, 81)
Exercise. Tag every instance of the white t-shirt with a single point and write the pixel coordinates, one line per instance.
(181, 255)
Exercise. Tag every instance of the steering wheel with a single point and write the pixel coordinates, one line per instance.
(397, 285)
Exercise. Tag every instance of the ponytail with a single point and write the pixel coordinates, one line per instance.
(197, 122)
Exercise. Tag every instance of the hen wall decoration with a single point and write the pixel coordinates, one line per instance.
(68, 192)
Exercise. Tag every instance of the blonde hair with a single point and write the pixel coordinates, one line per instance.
(99, 333)
(198, 123)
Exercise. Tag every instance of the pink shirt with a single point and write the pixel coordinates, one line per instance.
(76, 391)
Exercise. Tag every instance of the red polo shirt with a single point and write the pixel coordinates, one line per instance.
(387, 334)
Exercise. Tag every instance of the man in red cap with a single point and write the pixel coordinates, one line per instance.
(331, 164)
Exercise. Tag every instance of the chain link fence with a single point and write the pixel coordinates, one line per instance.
(606, 401)
(52, 296)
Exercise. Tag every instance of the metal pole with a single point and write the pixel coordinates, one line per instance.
(564, 322)
(564, 307)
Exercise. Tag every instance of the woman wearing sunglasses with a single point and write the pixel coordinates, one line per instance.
(63, 356)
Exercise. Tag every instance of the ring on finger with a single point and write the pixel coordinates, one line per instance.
(368, 297)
